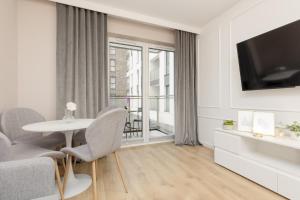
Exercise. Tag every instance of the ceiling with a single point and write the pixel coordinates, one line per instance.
(195, 13)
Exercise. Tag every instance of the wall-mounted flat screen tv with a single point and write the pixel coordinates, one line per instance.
(271, 60)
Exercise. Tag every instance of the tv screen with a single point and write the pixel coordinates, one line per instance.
(271, 60)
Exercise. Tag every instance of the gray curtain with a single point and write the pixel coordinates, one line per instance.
(81, 60)
(185, 89)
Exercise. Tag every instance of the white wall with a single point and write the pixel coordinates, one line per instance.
(220, 95)
(37, 56)
(8, 54)
(37, 51)
(140, 30)
(127, 14)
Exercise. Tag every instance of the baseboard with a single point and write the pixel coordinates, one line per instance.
(208, 145)
(144, 144)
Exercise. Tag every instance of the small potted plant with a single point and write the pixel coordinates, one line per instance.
(228, 124)
(294, 130)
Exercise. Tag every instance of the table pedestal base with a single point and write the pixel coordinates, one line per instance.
(77, 185)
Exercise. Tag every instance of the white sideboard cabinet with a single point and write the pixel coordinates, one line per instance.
(271, 162)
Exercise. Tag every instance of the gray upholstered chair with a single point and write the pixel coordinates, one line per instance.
(79, 137)
(13, 120)
(5, 145)
(20, 151)
(28, 179)
(103, 137)
(106, 109)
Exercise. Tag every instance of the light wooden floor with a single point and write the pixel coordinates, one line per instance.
(168, 172)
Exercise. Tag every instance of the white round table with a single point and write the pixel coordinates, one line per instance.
(75, 183)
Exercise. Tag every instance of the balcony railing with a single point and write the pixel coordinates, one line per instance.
(158, 119)
(154, 75)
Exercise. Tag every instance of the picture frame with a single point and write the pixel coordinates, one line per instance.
(264, 123)
(245, 120)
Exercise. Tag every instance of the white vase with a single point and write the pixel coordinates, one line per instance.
(68, 115)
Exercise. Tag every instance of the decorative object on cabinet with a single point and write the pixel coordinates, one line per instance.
(294, 130)
(245, 120)
(263, 123)
(228, 124)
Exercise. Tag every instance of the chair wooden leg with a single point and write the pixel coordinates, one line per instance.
(69, 163)
(74, 163)
(63, 164)
(94, 180)
(57, 174)
(120, 171)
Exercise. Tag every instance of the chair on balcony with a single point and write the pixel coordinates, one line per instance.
(103, 137)
(138, 122)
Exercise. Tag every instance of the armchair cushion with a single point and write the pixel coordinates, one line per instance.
(27, 179)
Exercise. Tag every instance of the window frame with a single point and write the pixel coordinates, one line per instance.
(146, 46)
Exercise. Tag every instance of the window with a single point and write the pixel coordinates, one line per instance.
(125, 68)
(113, 80)
(138, 85)
(112, 51)
(167, 63)
(130, 74)
(161, 86)
(167, 99)
(112, 62)
(113, 84)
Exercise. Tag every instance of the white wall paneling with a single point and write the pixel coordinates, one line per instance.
(245, 26)
(247, 19)
(207, 125)
(209, 45)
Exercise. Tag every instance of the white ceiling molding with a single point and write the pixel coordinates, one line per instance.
(129, 15)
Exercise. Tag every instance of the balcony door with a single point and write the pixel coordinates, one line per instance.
(141, 79)
(161, 93)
